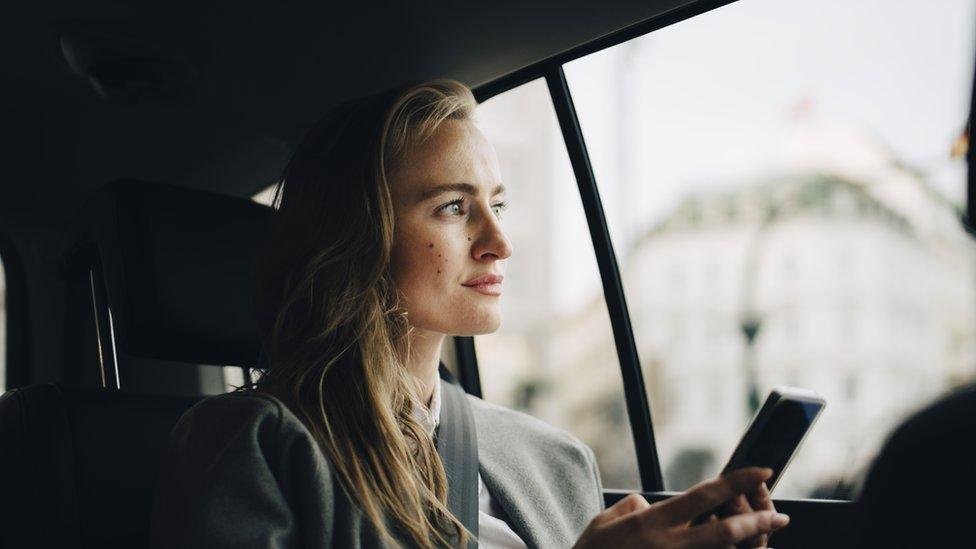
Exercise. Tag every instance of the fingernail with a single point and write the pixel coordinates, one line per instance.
(766, 471)
(780, 520)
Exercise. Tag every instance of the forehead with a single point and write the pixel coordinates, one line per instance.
(456, 152)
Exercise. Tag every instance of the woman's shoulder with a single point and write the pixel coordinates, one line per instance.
(550, 459)
(240, 418)
(238, 407)
(237, 469)
(251, 403)
(507, 422)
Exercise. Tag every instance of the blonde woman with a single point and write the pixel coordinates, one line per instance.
(386, 240)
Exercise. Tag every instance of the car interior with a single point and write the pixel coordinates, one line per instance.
(138, 135)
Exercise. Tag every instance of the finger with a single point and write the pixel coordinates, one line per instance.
(762, 540)
(706, 496)
(626, 506)
(760, 500)
(733, 529)
(739, 505)
(736, 506)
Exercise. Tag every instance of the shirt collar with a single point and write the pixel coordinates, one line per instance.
(430, 418)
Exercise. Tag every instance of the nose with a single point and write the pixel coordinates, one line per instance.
(491, 241)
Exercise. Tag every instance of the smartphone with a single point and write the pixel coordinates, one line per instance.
(775, 433)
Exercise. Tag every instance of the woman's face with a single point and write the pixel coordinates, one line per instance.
(447, 196)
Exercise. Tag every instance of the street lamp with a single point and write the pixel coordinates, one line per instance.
(749, 323)
(750, 319)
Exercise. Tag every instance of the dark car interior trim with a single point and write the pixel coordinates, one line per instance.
(18, 359)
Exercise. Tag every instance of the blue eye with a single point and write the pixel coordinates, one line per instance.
(499, 208)
(459, 203)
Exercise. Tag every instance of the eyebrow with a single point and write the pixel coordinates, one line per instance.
(457, 187)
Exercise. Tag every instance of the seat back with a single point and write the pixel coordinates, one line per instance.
(167, 271)
(86, 464)
(165, 274)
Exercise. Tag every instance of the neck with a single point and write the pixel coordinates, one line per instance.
(425, 357)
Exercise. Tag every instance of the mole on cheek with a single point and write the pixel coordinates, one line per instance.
(469, 239)
(431, 244)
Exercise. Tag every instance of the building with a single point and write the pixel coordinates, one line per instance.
(862, 289)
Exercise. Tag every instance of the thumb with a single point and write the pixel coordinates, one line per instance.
(624, 507)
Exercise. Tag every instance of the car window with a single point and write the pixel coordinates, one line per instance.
(554, 355)
(784, 205)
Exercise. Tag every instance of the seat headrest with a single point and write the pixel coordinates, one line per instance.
(177, 266)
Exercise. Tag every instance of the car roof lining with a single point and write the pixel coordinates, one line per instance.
(265, 74)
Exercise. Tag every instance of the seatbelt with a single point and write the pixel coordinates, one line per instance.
(457, 445)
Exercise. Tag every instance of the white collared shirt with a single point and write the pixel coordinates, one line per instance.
(493, 531)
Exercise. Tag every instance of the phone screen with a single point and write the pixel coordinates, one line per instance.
(774, 435)
(778, 438)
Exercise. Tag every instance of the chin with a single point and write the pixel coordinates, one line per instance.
(475, 321)
(482, 327)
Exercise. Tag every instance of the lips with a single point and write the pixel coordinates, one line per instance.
(488, 284)
(490, 278)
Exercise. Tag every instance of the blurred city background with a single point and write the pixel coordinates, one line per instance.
(784, 204)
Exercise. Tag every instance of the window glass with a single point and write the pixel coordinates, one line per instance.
(784, 205)
(3, 328)
(554, 355)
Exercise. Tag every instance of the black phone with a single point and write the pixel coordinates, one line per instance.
(775, 433)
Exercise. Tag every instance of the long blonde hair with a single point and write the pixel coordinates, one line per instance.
(334, 332)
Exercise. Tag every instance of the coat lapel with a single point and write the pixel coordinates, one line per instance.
(458, 447)
(497, 468)
(543, 479)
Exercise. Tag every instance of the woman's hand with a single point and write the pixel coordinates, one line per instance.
(633, 522)
(758, 500)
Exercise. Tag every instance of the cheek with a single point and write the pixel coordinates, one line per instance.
(424, 264)
(437, 262)
(439, 258)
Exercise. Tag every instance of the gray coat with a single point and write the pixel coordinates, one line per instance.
(242, 471)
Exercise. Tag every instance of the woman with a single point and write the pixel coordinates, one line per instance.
(386, 240)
